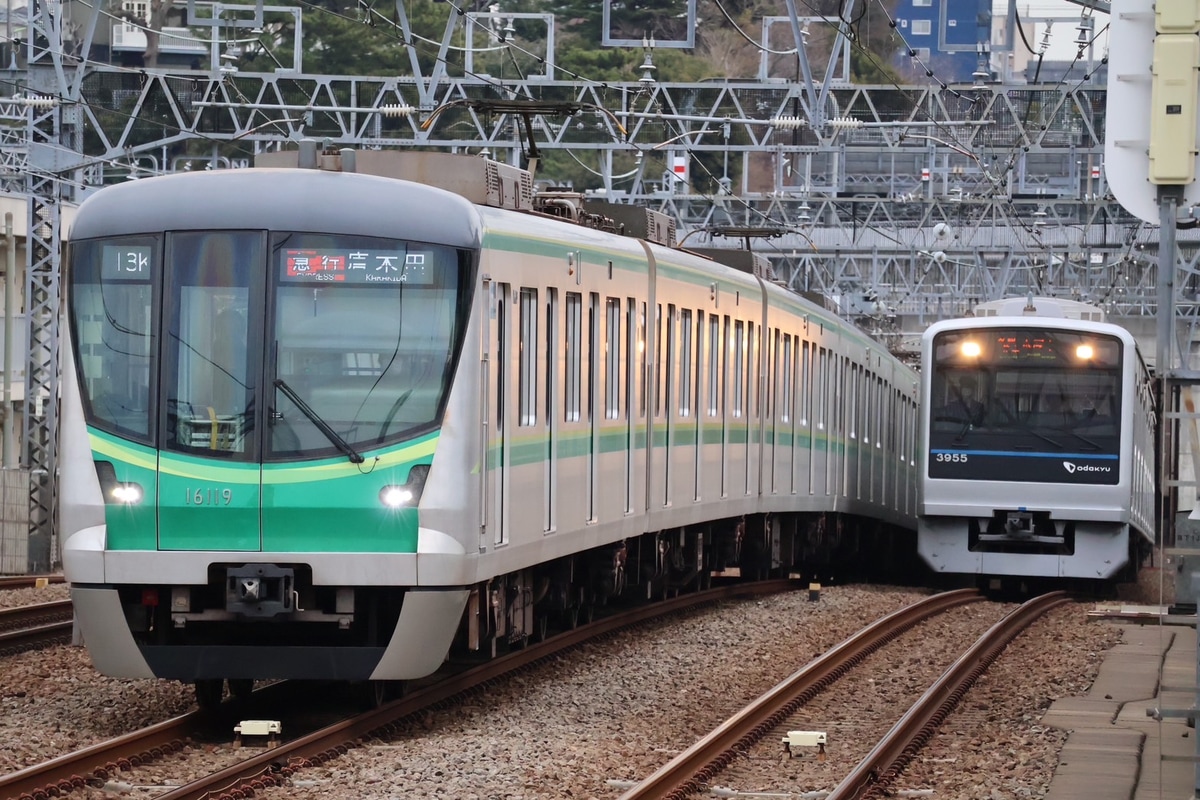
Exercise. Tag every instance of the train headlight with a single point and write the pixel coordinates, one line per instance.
(409, 494)
(971, 349)
(129, 494)
(1085, 352)
(396, 496)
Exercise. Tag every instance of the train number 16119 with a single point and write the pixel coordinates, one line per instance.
(957, 458)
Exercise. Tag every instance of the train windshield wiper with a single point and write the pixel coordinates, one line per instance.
(321, 424)
(1089, 442)
(1043, 437)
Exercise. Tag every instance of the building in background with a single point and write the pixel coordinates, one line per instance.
(952, 39)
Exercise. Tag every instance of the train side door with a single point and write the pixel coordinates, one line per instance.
(496, 415)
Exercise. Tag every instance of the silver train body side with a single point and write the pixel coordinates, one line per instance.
(1037, 444)
(606, 389)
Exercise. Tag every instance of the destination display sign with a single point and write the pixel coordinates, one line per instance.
(1017, 346)
(366, 266)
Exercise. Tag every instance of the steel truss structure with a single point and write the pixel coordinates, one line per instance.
(903, 204)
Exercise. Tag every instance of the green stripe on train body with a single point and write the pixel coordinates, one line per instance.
(330, 505)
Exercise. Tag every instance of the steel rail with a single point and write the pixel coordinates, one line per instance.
(24, 616)
(98, 762)
(101, 761)
(27, 581)
(885, 762)
(22, 639)
(685, 774)
(274, 767)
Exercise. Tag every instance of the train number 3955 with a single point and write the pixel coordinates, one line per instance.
(957, 458)
(208, 497)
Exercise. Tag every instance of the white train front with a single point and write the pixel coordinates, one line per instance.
(1038, 444)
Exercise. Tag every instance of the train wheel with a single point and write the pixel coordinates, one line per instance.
(373, 694)
(241, 688)
(209, 693)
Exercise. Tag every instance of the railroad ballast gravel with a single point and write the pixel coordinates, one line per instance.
(581, 725)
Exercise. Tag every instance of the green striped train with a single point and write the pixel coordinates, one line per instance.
(324, 419)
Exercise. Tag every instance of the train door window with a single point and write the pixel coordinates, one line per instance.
(112, 315)
(714, 365)
(805, 412)
(593, 355)
(665, 362)
(852, 404)
(753, 346)
(528, 352)
(660, 356)
(593, 399)
(551, 353)
(685, 362)
(883, 415)
(612, 358)
(643, 376)
(574, 366)
(210, 372)
(783, 369)
(699, 371)
(739, 355)
(819, 380)
(630, 361)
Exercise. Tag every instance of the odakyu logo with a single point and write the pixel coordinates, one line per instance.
(1073, 468)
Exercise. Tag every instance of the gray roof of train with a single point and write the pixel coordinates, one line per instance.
(281, 199)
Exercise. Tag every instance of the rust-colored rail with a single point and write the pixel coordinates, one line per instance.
(101, 761)
(271, 769)
(27, 627)
(885, 762)
(24, 616)
(22, 639)
(685, 774)
(27, 581)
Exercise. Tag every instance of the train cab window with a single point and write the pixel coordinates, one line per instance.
(112, 321)
(1044, 390)
(363, 333)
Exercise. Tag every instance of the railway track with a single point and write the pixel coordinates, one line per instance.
(28, 581)
(694, 769)
(25, 627)
(98, 764)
